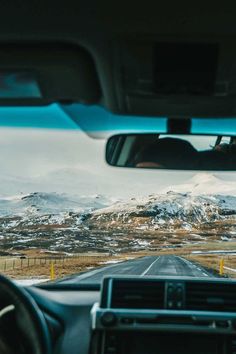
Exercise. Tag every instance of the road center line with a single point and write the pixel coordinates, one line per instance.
(145, 272)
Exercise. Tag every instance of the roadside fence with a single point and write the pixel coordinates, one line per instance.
(8, 264)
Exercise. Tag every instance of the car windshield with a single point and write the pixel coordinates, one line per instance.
(67, 216)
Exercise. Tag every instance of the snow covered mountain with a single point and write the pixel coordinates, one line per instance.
(182, 214)
(154, 210)
(166, 210)
(205, 183)
(50, 203)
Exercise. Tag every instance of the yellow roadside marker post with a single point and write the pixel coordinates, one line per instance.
(52, 271)
(221, 266)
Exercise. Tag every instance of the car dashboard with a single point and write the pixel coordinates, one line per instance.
(141, 315)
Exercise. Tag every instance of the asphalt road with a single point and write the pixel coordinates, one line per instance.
(146, 266)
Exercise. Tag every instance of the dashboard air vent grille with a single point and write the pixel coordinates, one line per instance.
(210, 296)
(137, 294)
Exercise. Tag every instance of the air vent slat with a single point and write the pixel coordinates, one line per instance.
(137, 294)
(210, 296)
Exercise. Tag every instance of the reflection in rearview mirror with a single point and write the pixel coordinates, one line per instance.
(179, 152)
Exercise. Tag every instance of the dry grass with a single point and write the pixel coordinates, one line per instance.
(213, 262)
(88, 261)
(68, 266)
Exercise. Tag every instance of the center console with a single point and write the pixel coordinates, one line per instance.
(165, 316)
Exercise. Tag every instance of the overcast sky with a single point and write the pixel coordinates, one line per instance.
(40, 158)
(68, 161)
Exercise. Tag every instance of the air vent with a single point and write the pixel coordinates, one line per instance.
(210, 296)
(137, 294)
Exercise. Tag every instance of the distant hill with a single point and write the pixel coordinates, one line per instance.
(168, 210)
(205, 183)
(38, 203)
(97, 223)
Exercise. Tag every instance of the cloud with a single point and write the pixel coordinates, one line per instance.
(69, 161)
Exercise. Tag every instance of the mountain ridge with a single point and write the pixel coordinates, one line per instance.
(82, 223)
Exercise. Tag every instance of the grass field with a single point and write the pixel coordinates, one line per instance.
(37, 262)
(212, 261)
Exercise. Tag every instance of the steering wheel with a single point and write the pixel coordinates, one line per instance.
(22, 324)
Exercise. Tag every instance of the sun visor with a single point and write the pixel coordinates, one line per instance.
(177, 76)
(43, 74)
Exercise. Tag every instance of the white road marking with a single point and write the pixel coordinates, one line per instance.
(232, 269)
(145, 272)
(191, 265)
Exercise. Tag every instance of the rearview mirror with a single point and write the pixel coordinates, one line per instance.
(178, 152)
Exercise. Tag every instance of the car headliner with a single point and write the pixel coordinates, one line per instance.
(99, 27)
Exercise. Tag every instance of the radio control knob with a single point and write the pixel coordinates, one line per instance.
(108, 319)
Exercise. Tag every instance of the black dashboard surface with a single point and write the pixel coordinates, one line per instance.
(71, 309)
(70, 313)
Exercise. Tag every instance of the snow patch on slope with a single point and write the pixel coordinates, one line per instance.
(50, 203)
(204, 183)
(171, 208)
